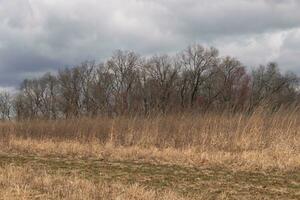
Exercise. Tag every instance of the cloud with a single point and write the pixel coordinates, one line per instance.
(290, 51)
(44, 35)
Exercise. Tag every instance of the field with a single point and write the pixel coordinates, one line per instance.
(209, 156)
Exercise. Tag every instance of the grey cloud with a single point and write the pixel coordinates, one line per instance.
(290, 51)
(208, 20)
(23, 64)
(43, 35)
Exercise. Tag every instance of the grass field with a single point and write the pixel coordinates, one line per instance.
(164, 157)
(31, 176)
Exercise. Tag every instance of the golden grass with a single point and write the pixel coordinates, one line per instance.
(257, 141)
(232, 143)
(45, 177)
(28, 183)
(276, 157)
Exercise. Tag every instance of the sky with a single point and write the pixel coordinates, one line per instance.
(37, 36)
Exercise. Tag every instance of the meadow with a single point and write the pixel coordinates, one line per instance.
(174, 156)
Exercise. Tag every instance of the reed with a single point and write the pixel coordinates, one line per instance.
(258, 140)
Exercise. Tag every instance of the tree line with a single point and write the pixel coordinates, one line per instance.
(197, 79)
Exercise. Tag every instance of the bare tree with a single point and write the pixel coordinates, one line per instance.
(123, 65)
(102, 91)
(49, 97)
(5, 106)
(197, 79)
(70, 92)
(231, 83)
(163, 73)
(270, 86)
(197, 62)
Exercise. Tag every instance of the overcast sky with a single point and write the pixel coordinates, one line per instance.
(45, 35)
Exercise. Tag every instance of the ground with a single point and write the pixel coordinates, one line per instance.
(186, 182)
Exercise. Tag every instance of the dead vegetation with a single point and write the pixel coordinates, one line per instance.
(208, 156)
(29, 183)
(37, 177)
(257, 141)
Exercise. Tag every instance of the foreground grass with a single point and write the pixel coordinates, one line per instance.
(210, 156)
(278, 157)
(31, 183)
(32, 176)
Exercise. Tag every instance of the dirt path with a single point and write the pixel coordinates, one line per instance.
(186, 180)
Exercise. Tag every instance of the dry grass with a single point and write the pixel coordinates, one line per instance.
(258, 141)
(276, 157)
(28, 183)
(44, 177)
(232, 155)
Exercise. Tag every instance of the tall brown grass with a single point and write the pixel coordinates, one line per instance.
(258, 140)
